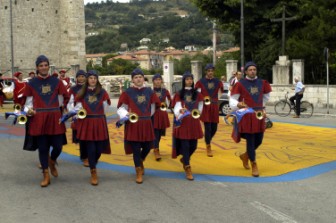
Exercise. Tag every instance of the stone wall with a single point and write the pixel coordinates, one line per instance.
(55, 28)
(315, 94)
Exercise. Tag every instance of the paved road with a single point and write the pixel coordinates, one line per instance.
(70, 197)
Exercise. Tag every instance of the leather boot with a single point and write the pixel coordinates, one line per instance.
(209, 152)
(157, 154)
(138, 171)
(255, 171)
(187, 170)
(52, 166)
(244, 158)
(94, 177)
(46, 178)
(142, 168)
(86, 162)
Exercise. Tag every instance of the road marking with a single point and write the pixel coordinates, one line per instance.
(218, 184)
(277, 215)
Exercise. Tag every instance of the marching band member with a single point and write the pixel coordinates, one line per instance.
(209, 87)
(80, 81)
(250, 92)
(19, 87)
(190, 130)
(160, 118)
(43, 95)
(138, 103)
(65, 80)
(92, 130)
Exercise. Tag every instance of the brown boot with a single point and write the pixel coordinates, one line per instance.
(255, 171)
(187, 170)
(46, 178)
(209, 152)
(86, 162)
(139, 174)
(142, 168)
(245, 159)
(52, 166)
(94, 177)
(157, 154)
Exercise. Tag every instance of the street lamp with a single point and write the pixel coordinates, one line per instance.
(11, 35)
(242, 34)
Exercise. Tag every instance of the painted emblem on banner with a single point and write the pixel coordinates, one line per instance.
(141, 99)
(211, 85)
(92, 99)
(46, 89)
(254, 90)
(188, 98)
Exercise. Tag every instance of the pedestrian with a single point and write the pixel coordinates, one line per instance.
(80, 81)
(139, 104)
(65, 79)
(250, 92)
(209, 86)
(160, 118)
(43, 100)
(296, 98)
(92, 130)
(186, 135)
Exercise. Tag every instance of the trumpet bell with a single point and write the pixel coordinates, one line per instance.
(195, 113)
(163, 106)
(17, 107)
(22, 119)
(133, 118)
(259, 115)
(207, 100)
(81, 114)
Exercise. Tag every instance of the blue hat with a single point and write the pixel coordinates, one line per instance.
(80, 72)
(41, 59)
(187, 74)
(137, 71)
(156, 76)
(92, 73)
(209, 66)
(248, 64)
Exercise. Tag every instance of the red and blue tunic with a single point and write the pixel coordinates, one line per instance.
(160, 118)
(210, 87)
(45, 92)
(190, 127)
(94, 126)
(252, 93)
(139, 101)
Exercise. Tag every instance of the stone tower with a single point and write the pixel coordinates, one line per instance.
(55, 28)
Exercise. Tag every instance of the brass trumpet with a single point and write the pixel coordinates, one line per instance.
(17, 107)
(195, 113)
(259, 114)
(207, 100)
(22, 119)
(163, 106)
(81, 113)
(133, 118)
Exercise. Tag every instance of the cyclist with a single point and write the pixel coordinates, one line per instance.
(299, 89)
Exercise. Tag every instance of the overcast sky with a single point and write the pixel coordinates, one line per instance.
(87, 1)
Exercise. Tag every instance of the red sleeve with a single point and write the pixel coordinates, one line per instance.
(123, 99)
(28, 92)
(176, 99)
(236, 89)
(198, 85)
(63, 91)
(106, 97)
(221, 86)
(267, 87)
(200, 97)
(155, 99)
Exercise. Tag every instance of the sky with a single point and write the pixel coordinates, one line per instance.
(91, 1)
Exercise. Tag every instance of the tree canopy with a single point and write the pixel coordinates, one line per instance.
(306, 36)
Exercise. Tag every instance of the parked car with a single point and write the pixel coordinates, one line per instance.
(223, 101)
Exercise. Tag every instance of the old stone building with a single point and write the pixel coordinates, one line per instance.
(55, 28)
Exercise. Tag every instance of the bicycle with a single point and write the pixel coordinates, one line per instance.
(283, 108)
